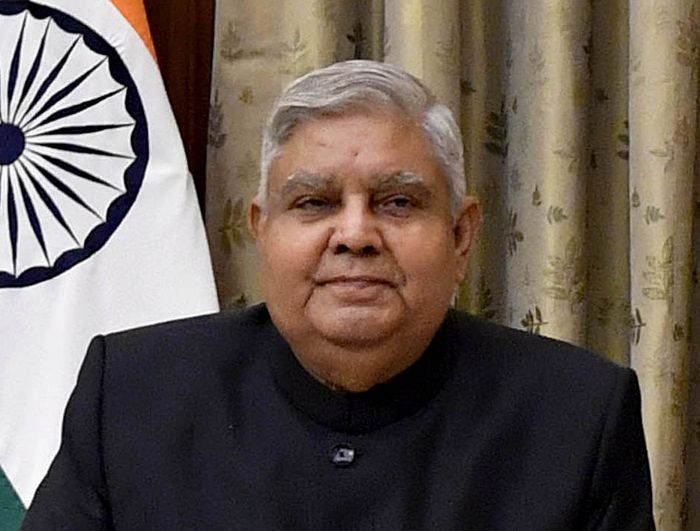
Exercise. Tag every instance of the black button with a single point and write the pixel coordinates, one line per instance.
(343, 455)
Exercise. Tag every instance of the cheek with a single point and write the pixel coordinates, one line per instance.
(289, 254)
(428, 260)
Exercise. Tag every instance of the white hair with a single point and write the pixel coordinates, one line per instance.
(360, 85)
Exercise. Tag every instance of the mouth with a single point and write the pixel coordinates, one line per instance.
(356, 281)
(357, 290)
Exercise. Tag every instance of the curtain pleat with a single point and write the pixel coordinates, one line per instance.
(424, 38)
(483, 119)
(609, 314)
(663, 122)
(545, 167)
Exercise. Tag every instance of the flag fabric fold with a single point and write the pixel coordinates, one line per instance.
(99, 224)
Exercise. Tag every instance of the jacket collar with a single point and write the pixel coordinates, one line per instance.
(384, 404)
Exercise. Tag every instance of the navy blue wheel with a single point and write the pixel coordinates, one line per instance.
(73, 143)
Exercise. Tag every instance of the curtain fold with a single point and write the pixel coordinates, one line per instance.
(580, 124)
(424, 38)
(545, 171)
(484, 129)
(609, 315)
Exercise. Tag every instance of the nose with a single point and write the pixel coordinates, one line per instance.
(355, 230)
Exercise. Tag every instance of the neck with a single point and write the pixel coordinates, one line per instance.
(356, 368)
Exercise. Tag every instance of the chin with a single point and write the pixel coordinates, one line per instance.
(359, 327)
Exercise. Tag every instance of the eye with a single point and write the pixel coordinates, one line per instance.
(400, 201)
(311, 204)
(396, 205)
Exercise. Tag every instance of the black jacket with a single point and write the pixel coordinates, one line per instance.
(210, 423)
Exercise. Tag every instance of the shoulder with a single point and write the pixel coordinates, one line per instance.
(232, 326)
(562, 410)
(153, 378)
(522, 349)
(554, 394)
(536, 367)
(197, 343)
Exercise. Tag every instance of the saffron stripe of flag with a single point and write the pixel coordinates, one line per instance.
(134, 11)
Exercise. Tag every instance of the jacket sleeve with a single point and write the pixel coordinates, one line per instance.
(621, 496)
(73, 494)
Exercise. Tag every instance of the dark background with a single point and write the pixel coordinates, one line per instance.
(183, 34)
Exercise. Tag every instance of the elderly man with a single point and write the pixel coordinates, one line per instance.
(353, 398)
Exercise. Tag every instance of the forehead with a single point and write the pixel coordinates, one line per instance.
(359, 148)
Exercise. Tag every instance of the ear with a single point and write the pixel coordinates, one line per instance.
(467, 225)
(256, 218)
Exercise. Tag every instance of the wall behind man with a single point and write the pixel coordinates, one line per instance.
(183, 36)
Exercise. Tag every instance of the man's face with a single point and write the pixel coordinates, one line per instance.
(357, 242)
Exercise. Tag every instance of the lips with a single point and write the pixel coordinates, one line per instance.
(356, 289)
(356, 281)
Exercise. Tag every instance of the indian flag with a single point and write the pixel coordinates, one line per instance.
(99, 226)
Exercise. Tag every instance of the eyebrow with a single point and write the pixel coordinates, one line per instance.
(307, 182)
(399, 179)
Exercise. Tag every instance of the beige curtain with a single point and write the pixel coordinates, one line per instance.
(580, 124)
